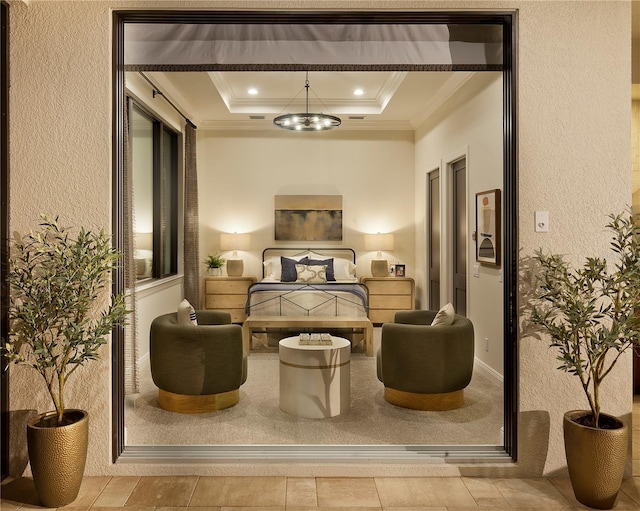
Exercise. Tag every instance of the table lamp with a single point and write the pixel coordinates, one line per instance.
(379, 242)
(235, 242)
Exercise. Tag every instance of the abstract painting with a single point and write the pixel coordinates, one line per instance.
(488, 227)
(308, 217)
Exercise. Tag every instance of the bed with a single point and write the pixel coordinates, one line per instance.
(309, 290)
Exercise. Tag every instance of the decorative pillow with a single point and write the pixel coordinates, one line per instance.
(314, 274)
(273, 267)
(289, 268)
(344, 269)
(331, 277)
(445, 316)
(186, 314)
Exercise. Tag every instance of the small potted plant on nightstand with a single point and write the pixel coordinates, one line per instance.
(591, 314)
(214, 263)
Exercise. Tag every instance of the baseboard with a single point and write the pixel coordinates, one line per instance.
(488, 370)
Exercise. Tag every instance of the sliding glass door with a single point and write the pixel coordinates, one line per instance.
(288, 34)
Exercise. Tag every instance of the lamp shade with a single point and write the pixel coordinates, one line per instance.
(234, 241)
(143, 240)
(378, 241)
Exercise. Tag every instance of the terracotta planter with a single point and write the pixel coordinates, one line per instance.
(57, 455)
(596, 459)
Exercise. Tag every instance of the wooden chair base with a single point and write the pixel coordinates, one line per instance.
(182, 403)
(429, 402)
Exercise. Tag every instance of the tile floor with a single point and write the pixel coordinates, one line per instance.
(300, 493)
(275, 493)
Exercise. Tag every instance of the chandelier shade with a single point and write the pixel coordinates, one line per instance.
(307, 121)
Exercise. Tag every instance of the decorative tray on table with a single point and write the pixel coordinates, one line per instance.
(315, 340)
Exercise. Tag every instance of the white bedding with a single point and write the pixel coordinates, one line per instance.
(273, 298)
(285, 292)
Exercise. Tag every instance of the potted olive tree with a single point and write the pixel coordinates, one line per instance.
(59, 315)
(214, 263)
(591, 314)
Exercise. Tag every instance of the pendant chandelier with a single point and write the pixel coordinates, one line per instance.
(307, 121)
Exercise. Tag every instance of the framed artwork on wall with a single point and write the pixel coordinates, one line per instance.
(308, 217)
(488, 227)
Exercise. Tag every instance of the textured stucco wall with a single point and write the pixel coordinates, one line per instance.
(574, 122)
(60, 159)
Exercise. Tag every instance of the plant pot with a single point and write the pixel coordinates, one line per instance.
(216, 272)
(58, 455)
(596, 459)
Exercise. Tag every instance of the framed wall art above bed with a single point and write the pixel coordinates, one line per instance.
(308, 217)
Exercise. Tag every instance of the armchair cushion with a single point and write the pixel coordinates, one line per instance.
(186, 314)
(444, 316)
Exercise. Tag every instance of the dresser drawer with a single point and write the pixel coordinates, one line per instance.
(390, 302)
(381, 316)
(390, 286)
(227, 287)
(387, 295)
(225, 301)
(227, 294)
(237, 315)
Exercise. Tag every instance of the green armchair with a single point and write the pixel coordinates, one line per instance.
(425, 367)
(197, 369)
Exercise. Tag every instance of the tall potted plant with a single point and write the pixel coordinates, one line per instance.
(592, 316)
(59, 317)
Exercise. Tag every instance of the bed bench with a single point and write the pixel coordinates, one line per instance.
(318, 323)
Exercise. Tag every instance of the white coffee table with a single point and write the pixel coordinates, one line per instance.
(315, 381)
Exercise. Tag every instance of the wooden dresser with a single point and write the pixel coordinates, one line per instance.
(226, 294)
(387, 295)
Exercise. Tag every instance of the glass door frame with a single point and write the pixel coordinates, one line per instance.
(4, 233)
(508, 20)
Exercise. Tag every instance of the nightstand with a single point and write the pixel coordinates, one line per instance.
(226, 294)
(387, 295)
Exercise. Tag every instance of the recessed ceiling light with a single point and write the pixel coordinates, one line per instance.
(253, 91)
(358, 92)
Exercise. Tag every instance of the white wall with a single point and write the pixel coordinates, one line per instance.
(239, 173)
(470, 123)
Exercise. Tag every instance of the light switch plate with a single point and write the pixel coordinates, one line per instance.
(542, 221)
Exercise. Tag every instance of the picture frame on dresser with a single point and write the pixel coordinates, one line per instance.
(399, 270)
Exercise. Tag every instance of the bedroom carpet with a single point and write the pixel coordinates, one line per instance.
(258, 420)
